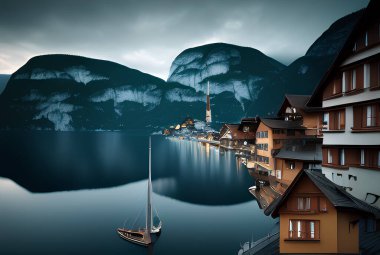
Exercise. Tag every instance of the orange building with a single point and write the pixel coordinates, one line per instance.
(318, 216)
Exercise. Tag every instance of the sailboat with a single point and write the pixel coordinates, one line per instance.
(150, 233)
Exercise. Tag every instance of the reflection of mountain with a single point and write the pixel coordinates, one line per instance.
(48, 162)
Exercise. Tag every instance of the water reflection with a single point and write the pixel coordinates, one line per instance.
(184, 170)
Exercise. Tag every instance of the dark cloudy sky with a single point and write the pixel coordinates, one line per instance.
(148, 35)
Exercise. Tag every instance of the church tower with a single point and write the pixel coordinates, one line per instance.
(208, 108)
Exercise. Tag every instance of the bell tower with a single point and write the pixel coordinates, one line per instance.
(208, 108)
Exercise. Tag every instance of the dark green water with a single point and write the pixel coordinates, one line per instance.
(66, 193)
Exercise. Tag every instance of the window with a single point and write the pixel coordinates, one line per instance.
(371, 115)
(325, 120)
(312, 230)
(367, 75)
(303, 229)
(265, 134)
(303, 203)
(291, 165)
(344, 82)
(290, 132)
(337, 119)
(329, 156)
(245, 129)
(277, 141)
(353, 79)
(322, 204)
(342, 157)
(362, 157)
(366, 39)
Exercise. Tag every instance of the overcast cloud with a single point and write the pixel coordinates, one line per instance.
(148, 35)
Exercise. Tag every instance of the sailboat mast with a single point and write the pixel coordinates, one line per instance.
(149, 202)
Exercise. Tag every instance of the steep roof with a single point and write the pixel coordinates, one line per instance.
(334, 193)
(282, 124)
(370, 12)
(300, 155)
(236, 134)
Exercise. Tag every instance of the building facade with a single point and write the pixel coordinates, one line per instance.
(349, 95)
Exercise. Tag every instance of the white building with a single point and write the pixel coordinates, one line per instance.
(349, 95)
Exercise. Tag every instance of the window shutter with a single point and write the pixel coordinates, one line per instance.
(357, 117)
(324, 155)
(332, 121)
(342, 119)
(374, 74)
(360, 77)
(335, 156)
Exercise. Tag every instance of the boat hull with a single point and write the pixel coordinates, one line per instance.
(140, 237)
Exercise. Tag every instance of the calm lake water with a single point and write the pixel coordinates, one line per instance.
(66, 193)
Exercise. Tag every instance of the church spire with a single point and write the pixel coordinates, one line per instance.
(208, 108)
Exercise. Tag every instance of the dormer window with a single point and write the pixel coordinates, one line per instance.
(303, 204)
(245, 129)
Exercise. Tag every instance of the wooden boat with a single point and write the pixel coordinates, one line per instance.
(150, 233)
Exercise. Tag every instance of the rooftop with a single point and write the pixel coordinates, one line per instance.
(282, 124)
(334, 193)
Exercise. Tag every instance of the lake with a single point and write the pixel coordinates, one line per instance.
(67, 192)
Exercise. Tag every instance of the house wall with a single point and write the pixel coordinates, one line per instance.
(348, 233)
(311, 120)
(328, 242)
(366, 181)
(269, 141)
(288, 174)
(349, 138)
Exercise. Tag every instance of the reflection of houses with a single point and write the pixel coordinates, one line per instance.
(239, 136)
(349, 95)
(316, 215)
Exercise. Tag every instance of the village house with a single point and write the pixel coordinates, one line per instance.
(239, 136)
(318, 216)
(349, 95)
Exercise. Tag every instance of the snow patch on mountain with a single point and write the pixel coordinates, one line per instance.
(190, 68)
(183, 95)
(56, 111)
(78, 73)
(147, 95)
(81, 75)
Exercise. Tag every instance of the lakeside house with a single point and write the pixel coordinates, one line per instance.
(316, 215)
(285, 146)
(349, 97)
(334, 210)
(239, 136)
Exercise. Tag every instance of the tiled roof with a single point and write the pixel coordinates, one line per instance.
(334, 193)
(282, 124)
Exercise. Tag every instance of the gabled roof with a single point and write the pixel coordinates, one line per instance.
(236, 134)
(372, 10)
(340, 198)
(297, 101)
(282, 124)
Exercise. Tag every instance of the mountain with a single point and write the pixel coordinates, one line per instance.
(63, 92)
(234, 73)
(305, 72)
(3, 81)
